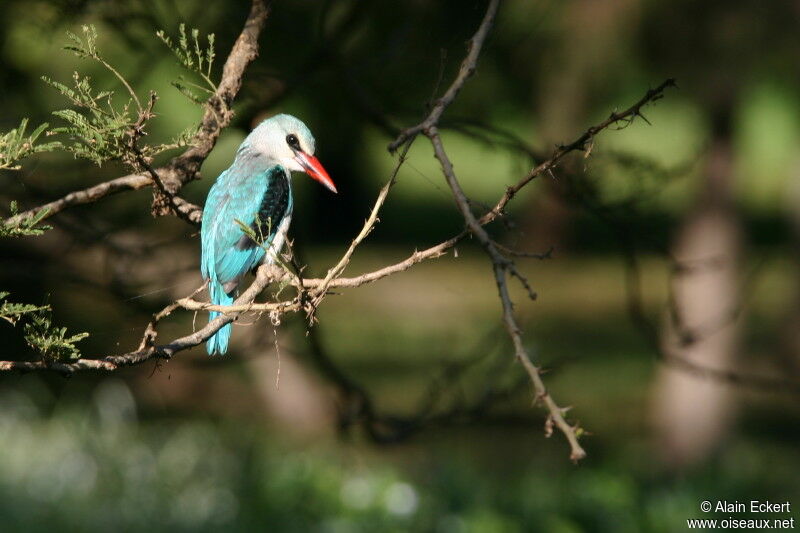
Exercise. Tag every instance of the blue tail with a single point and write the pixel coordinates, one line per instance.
(218, 343)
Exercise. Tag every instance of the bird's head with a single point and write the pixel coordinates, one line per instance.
(286, 140)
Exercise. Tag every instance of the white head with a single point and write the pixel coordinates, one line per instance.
(287, 141)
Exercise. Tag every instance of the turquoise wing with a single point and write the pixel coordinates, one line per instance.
(259, 200)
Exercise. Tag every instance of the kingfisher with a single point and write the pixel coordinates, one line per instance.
(255, 192)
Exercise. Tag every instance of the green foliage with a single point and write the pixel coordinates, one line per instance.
(100, 129)
(260, 234)
(11, 312)
(49, 341)
(26, 227)
(99, 132)
(86, 46)
(182, 139)
(15, 145)
(195, 59)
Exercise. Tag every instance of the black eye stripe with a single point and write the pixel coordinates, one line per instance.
(293, 142)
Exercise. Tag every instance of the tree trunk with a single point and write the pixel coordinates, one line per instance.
(693, 413)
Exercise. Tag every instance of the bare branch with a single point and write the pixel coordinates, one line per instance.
(502, 266)
(322, 287)
(417, 257)
(464, 73)
(86, 196)
(581, 143)
(177, 205)
(442, 248)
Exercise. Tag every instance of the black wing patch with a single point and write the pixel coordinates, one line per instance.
(271, 211)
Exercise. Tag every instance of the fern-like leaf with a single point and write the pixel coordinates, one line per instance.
(11, 312)
(16, 145)
(25, 228)
(193, 57)
(51, 342)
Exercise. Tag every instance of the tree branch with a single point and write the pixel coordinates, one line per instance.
(582, 143)
(466, 71)
(218, 111)
(502, 266)
(147, 349)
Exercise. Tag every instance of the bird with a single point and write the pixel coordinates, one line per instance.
(255, 192)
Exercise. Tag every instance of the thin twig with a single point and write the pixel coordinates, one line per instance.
(502, 268)
(366, 229)
(581, 143)
(468, 66)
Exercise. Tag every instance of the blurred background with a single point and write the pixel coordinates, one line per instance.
(668, 314)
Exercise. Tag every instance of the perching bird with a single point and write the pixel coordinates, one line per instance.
(255, 191)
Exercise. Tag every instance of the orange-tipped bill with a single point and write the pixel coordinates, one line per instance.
(314, 169)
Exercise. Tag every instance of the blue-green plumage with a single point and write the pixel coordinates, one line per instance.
(256, 197)
(255, 191)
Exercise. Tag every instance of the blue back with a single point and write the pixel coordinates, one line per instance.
(252, 189)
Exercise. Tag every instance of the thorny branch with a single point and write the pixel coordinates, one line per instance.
(502, 266)
(169, 179)
(583, 143)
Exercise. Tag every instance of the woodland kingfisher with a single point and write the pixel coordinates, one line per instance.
(255, 192)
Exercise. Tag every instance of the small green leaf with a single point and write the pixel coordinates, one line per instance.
(194, 58)
(16, 145)
(12, 312)
(51, 342)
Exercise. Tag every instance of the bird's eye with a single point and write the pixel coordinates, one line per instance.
(292, 141)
